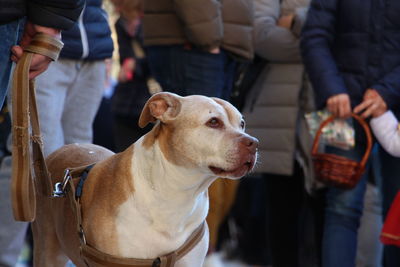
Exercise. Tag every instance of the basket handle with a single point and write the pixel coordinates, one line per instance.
(363, 124)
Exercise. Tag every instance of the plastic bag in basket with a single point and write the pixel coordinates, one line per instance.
(339, 133)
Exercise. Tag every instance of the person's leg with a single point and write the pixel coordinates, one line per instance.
(388, 173)
(369, 248)
(82, 102)
(342, 218)
(51, 90)
(284, 200)
(12, 233)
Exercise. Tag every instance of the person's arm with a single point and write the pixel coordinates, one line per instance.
(386, 130)
(389, 88)
(316, 41)
(274, 42)
(49, 17)
(202, 20)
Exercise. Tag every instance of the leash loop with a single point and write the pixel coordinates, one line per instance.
(25, 123)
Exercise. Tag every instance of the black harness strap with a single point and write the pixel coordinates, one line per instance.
(79, 186)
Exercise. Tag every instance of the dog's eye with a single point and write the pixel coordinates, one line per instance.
(242, 124)
(214, 123)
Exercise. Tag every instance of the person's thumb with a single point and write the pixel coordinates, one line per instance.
(17, 52)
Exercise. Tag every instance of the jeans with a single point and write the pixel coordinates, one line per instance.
(12, 233)
(342, 215)
(9, 36)
(192, 71)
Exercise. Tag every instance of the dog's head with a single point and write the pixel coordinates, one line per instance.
(200, 132)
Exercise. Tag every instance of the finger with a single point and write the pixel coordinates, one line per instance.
(331, 107)
(14, 58)
(369, 111)
(362, 106)
(345, 110)
(17, 51)
(342, 109)
(37, 69)
(34, 73)
(38, 60)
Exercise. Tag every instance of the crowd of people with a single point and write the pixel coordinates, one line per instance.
(339, 55)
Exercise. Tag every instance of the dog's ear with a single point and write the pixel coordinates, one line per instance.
(162, 106)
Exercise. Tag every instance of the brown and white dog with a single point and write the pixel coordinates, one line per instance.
(146, 201)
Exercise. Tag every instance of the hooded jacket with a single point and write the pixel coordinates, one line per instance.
(89, 38)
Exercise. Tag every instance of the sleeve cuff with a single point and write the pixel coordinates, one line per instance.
(387, 119)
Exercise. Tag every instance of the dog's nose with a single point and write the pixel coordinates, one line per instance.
(250, 142)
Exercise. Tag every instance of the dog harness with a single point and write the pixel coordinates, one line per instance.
(72, 186)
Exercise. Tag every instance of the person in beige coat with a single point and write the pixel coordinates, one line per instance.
(193, 46)
(274, 112)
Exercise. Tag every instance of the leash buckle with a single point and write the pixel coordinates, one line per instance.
(82, 236)
(59, 188)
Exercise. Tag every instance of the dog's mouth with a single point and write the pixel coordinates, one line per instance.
(238, 172)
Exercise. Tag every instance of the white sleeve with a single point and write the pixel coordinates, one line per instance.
(385, 128)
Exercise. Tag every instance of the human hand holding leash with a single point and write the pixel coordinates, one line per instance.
(39, 62)
(372, 104)
(339, 105)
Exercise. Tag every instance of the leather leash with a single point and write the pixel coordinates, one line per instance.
(27, 178)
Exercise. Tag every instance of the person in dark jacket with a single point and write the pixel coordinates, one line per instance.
(351, 50)
(70, 91)
(20, 20)
(132, 90)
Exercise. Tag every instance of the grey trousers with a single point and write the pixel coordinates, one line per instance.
(12, 233)
(68, 97)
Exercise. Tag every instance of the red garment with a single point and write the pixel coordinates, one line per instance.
(390, 234)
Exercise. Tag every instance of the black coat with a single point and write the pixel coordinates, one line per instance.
(60, 14)
(129, 97)
(349, 46)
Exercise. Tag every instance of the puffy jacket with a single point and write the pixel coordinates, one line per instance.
(90, 37)
(349, 46)
(60, 14)
(277, 101)
(203, 23)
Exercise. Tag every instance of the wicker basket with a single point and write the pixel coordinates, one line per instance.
(338, 171)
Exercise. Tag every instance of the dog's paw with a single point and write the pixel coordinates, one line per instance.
(213, 260)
